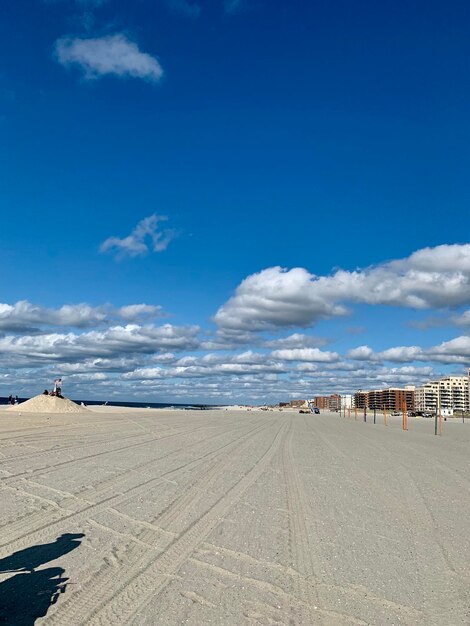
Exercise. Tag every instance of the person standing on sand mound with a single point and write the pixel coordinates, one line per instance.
(57, 388)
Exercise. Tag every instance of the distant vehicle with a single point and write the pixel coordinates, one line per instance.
(395, 413)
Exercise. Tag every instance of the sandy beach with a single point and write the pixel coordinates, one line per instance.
(121, 516)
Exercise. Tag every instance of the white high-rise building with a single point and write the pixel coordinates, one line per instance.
(346, 401)
(450, 394)
(453, 392)
(427, 396)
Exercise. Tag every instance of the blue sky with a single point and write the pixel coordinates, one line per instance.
(331, 137)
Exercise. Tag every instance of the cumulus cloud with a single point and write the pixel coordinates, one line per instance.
(361, 353)
(463, 319)
(456, 350)
(144, 237)
(26, 317)
(132, 312)
(305, 354)
(275, 297)
(296, 340)
(112, 342)
(401, 354)
(111, 55)
(109, 365)
(211, 366)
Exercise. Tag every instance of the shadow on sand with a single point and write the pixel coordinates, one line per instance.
(28, 595)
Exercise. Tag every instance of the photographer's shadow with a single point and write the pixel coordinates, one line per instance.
(28, 595)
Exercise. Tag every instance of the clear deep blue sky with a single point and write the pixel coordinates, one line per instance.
(320, 134)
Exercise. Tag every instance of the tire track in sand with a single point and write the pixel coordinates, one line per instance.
(144, 542)
(50, 468)
(306, 611)
(18, 535)
(74, 503)
(117, 596)
(423, 521)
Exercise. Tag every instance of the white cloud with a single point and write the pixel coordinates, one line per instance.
(275, 297)
(110, 55)
(132, 312)
(296, 340)
(144, 237)
(402, 354)
(361, 353)
(305, 354)
(456, 350)
(463, 319)
(110, 365)
(197, 368)
(26, 317)
(112, 342)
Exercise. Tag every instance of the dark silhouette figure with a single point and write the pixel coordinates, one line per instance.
(31, 558)
(26, 597)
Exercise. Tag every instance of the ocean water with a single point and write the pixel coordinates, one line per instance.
(137, 405)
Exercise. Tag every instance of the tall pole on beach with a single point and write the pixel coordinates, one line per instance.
(385, 415)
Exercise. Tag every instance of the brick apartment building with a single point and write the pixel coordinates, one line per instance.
(392, 399)
(329, 403)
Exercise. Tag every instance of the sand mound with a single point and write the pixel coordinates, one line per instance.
(48, 404)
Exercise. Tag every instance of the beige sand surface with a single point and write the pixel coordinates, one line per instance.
(232, 517)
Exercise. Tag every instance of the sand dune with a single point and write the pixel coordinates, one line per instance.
(48, 404)
(220, 517)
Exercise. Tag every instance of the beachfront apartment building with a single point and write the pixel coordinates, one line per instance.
(391, 398)
(329, 403)
(427, 396)
(360, 399)
(449, 393)
(347, 401)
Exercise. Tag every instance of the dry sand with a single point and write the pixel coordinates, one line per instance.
(221, 517)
